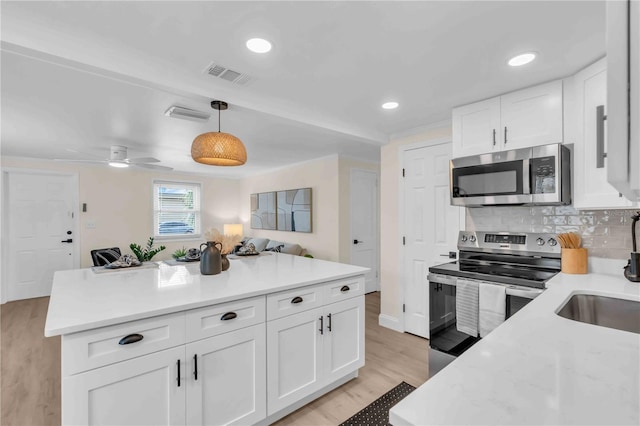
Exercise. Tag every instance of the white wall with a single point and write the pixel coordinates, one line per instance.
(322, 176)
(390, 238)
(120, 202)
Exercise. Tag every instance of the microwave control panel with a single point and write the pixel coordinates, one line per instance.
(543, 175)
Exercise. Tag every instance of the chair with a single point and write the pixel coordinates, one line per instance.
(105, 256)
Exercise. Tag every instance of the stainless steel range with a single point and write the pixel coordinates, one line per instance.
(496, 275)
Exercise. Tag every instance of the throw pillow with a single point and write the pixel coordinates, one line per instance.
(277, 249)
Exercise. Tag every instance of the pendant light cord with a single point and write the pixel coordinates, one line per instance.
(219, 118)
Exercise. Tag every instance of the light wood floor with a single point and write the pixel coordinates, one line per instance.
(30, 369)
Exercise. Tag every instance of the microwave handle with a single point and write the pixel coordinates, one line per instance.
(526, 177)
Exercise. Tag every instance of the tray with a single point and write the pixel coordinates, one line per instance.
(247, 254)
(186, 259)
(110, 266)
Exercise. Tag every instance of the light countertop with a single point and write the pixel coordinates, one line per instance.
(539, 368)
(83, 300)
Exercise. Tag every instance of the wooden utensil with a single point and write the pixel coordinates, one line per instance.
(569, 240)
(576, 239)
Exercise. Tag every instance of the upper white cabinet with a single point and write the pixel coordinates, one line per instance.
(590, 188)
(476, 127)
(528, 117)
(623, 96)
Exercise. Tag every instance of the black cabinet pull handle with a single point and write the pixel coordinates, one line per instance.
(494, 137)
(321, 325)
(195, 366)
(345, 288)
(69, 240)
(178, 373)
(296, 299)
(505, 135)
(132, 338)
(329, 316)
(228, 316)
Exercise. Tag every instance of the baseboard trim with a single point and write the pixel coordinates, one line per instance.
(390, 322)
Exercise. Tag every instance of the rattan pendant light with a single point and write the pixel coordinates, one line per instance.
(218, 148)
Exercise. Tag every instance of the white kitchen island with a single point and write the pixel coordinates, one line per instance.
(168, 345)
(539, 368)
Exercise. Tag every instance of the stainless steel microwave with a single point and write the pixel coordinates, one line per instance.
(539, 175)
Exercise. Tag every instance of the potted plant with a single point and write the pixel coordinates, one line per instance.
(145, 254)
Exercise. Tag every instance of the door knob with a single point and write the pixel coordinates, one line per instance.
(67, 241)
(356, 242)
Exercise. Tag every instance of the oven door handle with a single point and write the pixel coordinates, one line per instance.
(524, 293)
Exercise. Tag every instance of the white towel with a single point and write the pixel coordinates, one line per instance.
(492, 307)
(467, 306)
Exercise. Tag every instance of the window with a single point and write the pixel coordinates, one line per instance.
(176, 209)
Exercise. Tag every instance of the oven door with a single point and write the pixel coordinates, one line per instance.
(443, 333)
(518, 297)
(489, 179)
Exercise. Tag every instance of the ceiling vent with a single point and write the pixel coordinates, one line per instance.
(186, 114)
(225, 73)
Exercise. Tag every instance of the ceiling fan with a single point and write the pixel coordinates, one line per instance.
(118, 158)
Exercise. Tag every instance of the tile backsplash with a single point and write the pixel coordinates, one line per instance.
(606, 233)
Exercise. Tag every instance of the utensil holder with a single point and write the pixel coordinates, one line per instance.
(574, 261)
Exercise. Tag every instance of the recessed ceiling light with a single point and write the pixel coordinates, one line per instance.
(522, 59)
(390, 105)
(258, 45)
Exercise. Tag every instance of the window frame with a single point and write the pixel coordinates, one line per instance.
(196, 187)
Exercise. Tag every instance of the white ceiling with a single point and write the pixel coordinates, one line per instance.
(81, 76)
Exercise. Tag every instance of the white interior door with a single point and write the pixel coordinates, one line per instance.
(431, 227)
(364, 225)
(39, 214)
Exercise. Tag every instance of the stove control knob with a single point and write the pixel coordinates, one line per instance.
(472, 238)
(464, 238)
(540, 241)
(552, 242)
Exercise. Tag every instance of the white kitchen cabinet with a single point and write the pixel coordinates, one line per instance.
(344, 338)
(117, 371)
(143, 390)
(591, 190)
(227, 378)
(309, 350)
(623, 96)
(294, 358)
(222, 381)
(520, 119)
(475, 128)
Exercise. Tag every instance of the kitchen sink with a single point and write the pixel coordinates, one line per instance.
(611, 312)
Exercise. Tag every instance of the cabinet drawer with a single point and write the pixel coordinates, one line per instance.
(293, 301)
(218, 319)
(95, 348)
(343, 289)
